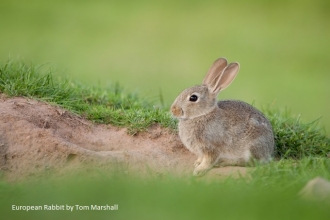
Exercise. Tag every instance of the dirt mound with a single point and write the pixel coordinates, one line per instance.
(36, 137)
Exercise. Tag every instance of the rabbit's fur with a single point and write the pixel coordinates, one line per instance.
(221, 132)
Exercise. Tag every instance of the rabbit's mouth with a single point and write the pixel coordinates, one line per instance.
(177, 112)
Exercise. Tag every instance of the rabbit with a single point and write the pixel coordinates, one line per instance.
(221, 133)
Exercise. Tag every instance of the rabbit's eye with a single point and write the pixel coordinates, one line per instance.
(193, 98)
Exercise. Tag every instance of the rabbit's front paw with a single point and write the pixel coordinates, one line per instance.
(198, 161)
(200, 170)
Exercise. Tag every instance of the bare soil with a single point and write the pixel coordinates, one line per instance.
(36, 137)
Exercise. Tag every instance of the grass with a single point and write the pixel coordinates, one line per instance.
(295, 139)
(102, 105)
(270, 193)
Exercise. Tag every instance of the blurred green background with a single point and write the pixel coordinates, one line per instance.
(162, 47)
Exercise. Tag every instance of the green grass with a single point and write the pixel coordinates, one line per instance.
(270, 193)
(295, 139)
(112, 104)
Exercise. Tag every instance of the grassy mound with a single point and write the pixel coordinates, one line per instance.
(119, 107)
(112, 105)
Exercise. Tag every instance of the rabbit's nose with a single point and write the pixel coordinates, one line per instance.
(176, 111)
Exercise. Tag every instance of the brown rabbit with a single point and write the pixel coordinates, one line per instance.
(225, 132)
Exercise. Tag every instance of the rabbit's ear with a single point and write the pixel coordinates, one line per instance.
(214, 72)
(227, 76)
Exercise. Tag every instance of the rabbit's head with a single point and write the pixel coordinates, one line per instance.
(200, 100)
